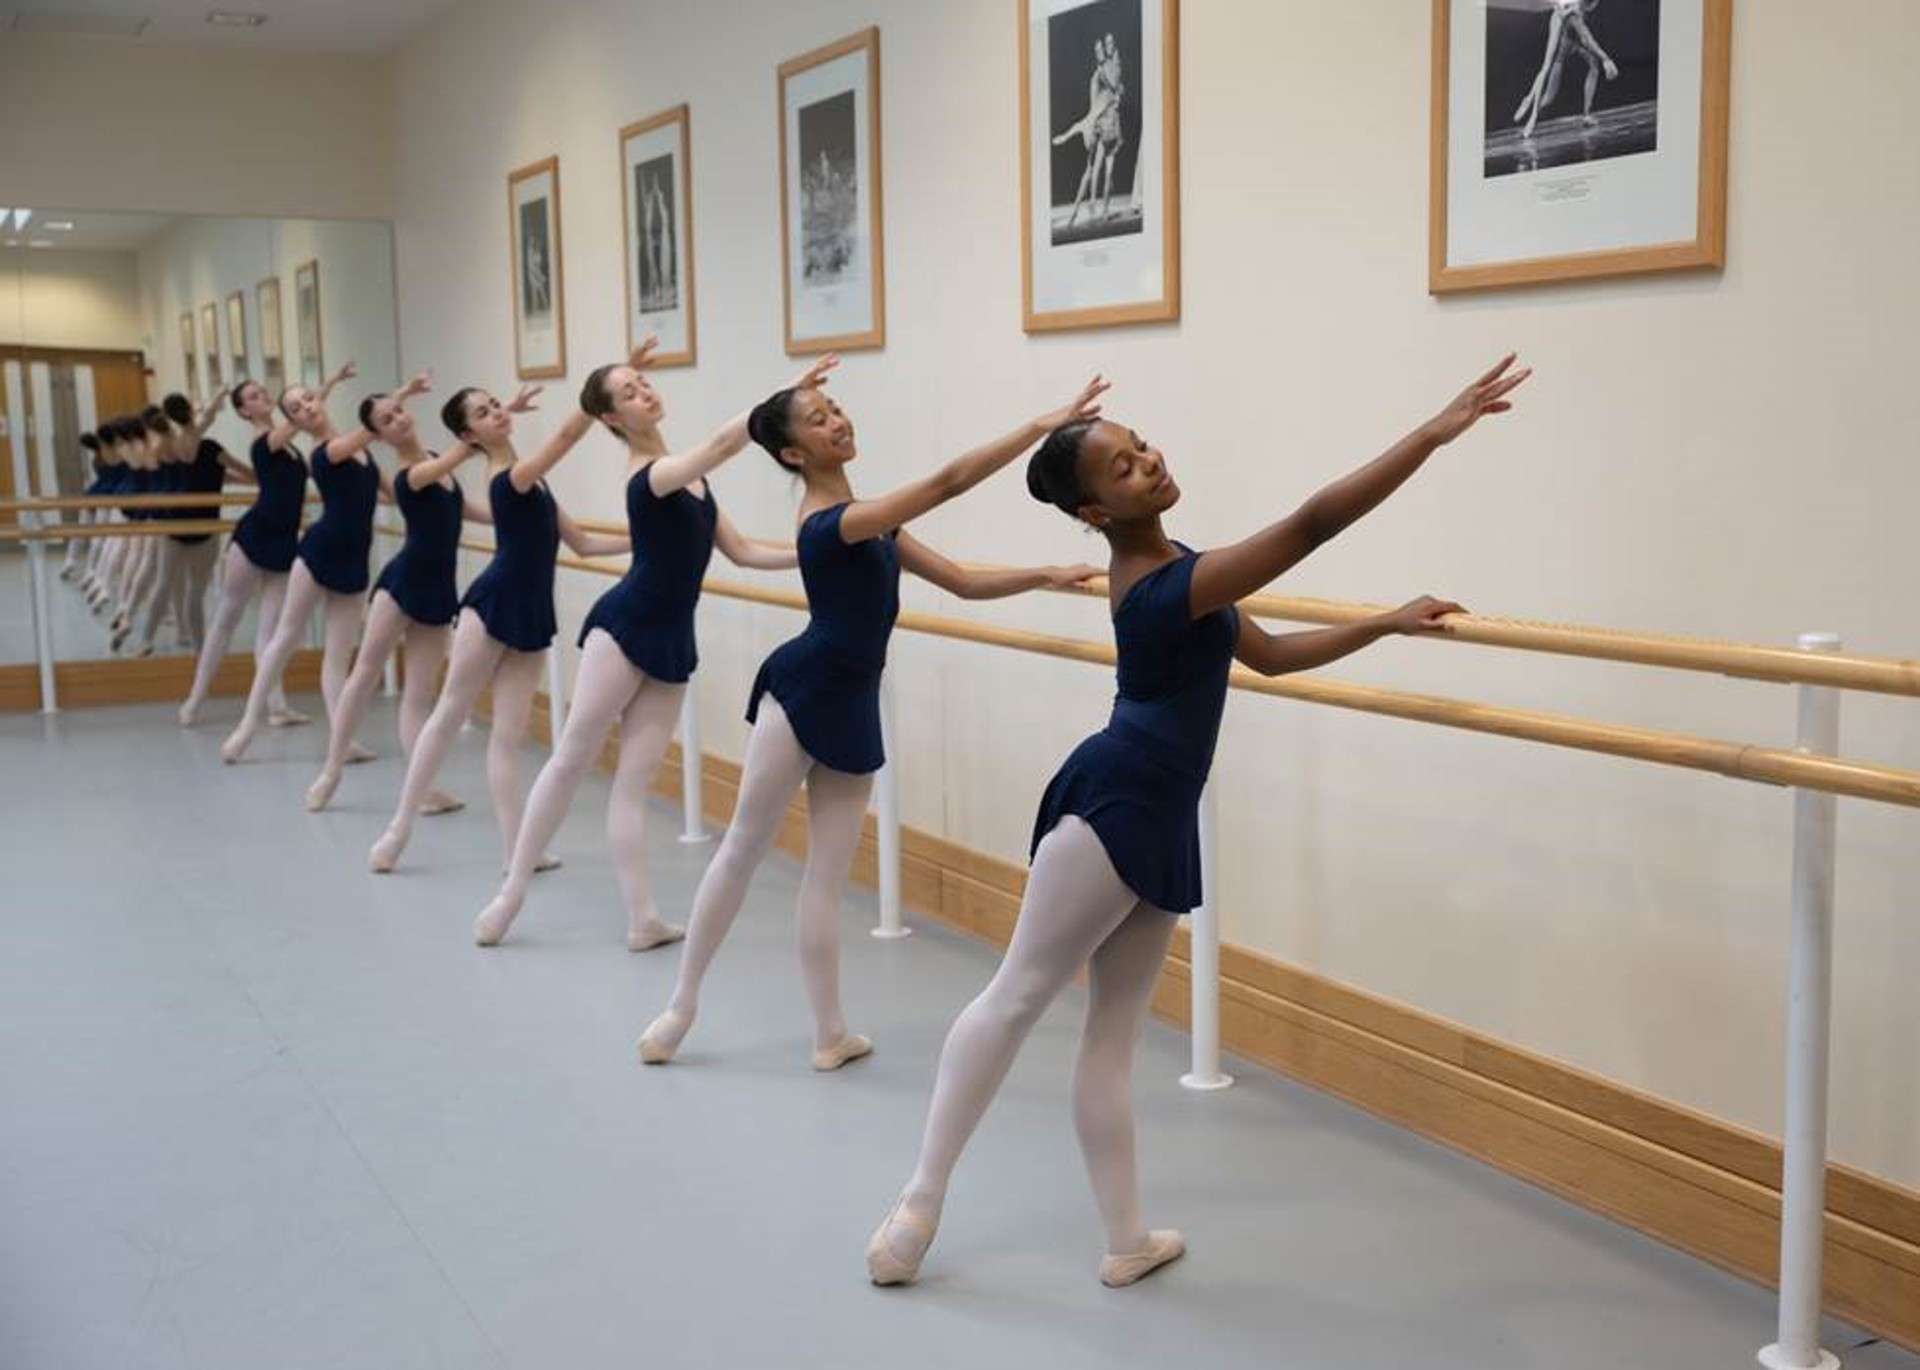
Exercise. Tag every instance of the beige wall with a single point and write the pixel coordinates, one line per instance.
(55, 298)
(1728, 455)
(101, 123)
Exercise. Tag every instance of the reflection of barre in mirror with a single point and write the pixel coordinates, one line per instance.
(815, 705)
(637, 644)
(1116, 846)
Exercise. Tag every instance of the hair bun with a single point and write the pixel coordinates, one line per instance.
(1037, 479)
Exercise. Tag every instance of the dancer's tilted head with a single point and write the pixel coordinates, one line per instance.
(386, 417)
(804, 430)
(251, 401)
(476, 415)
(1102, 473)
(623, 399)
(303, 407)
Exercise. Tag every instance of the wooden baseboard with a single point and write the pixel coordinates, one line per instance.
(149, 680)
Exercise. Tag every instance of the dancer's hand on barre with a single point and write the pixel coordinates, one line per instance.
(1069, 577)
(1422, 615)
(523, 403)
(1487, 395)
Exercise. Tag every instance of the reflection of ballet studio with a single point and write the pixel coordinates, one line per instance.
(715, 683)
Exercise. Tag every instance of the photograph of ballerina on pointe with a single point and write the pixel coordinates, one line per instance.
(1542, 55)
(829, 192)
(536, 290)
(1095, 156)
(654, 257)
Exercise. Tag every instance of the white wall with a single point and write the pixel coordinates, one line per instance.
(1725, 454)
(201, 261)
(107, 123)
(55, 298)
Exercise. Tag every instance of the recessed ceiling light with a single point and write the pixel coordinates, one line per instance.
(58, 225)
(20, 217)
(235, 19)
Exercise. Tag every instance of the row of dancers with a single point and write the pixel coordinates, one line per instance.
(1115, 847)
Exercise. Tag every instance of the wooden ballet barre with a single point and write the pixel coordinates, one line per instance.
(246, 494)
(144, 528)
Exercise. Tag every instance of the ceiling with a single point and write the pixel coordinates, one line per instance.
(91, 232)
(341, 26)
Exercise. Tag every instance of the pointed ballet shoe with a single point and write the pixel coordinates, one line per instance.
(440, 802)
(385, 854)
(849, 1048)
(662, 1039)
(188, 715)
(234, 749)
(547, 863)
(494, 920)
(320, 792)
(1164, 1246)
(358, 755)
(885, 1265)
(287, 718)
(654, 934)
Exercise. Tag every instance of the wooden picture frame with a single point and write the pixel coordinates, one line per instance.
(1114, 64)
(189, 352)
(658, 234)
(273, 338)
(237, 335)
(210, 345)
(1632, 184)
(308, 338)
(536, 270)
(829, 111)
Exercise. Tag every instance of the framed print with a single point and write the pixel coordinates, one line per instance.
(1099, 162)
(832, 268)
(656, 181)
(306, 323)
(273, 341)
(210, 344)
(1576, 138)
(539, 308)
(189, 356)
(237, 335)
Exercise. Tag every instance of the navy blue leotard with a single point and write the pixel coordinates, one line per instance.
(205, 475)
(514, 595)
(420, 575)
(269, 532)
(649, 612)
(335, 549)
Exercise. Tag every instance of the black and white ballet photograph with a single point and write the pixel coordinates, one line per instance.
(829, 191)
(658, 274)
(306, 318)
(1570, 81)
(539, 306)
(536, 285)
(657, 182)
(1093, 89)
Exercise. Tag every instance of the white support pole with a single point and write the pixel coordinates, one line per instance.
(556, 699)
(692, 801)
(1204, 936)
(887, 821)
(1809, 998)
(42, 620)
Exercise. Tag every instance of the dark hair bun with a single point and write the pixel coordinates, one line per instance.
(178, 408)
(1037, 480)
(769, 424)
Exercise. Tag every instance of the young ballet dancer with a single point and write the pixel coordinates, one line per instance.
(1116, 850)
(185, 568)
(815, 705)
(414, 600)
(506, 618)
(330, 569)
(261, 553)
(637, 645)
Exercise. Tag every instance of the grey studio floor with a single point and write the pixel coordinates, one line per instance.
(259, 1109)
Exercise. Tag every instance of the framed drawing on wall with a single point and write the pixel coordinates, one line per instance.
(1099, 162)
(189, 356)
(1575, 139)
(210, 344)
(237, 335)
(832, 266)
(273, 341)
(306, 322)
(539, 304)
(656, 181)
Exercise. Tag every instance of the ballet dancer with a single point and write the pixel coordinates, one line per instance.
(1116, 848)
(1567, 33)
(506, 620)
(815, 705)
(414, 601)
(330, 569)
(637, 645)
(185, 566)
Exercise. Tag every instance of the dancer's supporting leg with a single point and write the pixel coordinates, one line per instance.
(343, 615)
(202, 558)
(425, 654)
(302, 594)
(475, 657)
(163, 593)
(386, 625)
(774, 767)
(1076, 908)
(836, 802)
(645, 730)
(242, 580)
(514, 683)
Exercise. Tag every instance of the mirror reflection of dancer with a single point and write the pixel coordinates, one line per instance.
(815, 706)
(637, 648)
(1116, 847)
(1099, 129)
(1567, 33)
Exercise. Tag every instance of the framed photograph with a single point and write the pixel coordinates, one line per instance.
(656, 181)
(210, 344)
(237, 335)
(306, 322)
(273, 340)
(189, 356)
(1099, 162)
(539, 306)
(831, 264)
(1576, 138)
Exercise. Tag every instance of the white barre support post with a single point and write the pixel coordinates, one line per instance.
(1204, 938)
(692, 802)
(1809, 1007)
(556, 699)
(42, 619)
(887, 821)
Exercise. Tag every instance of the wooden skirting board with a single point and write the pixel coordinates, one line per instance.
(148, 680)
